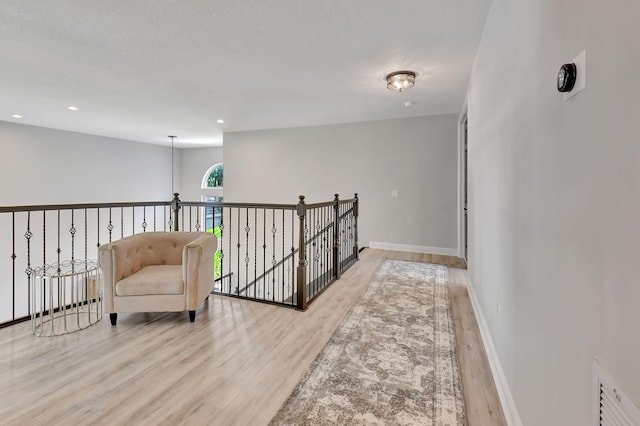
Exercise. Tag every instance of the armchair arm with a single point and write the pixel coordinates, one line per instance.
(197, 269)
(106, 259)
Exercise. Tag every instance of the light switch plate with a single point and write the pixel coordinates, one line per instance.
(581, 73)
(394, 193)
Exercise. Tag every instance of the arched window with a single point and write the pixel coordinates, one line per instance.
(214, 176)
(212, 191)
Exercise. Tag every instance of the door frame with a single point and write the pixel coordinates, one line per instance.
(463, 120)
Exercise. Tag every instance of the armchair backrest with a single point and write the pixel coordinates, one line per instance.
(149, 248)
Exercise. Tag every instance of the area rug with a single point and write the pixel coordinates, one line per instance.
(392, 361)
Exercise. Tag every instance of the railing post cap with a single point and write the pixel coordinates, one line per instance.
(337, 196)
(301, 198)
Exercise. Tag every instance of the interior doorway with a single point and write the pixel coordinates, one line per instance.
(465, 186)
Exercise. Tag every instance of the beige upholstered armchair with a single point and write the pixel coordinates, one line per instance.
(157, 272)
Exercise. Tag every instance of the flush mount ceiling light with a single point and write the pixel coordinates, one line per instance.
(16, 116)
(220, 121)
(401, 80)
(72, 108)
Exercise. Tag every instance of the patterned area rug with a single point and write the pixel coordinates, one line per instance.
(393, 360)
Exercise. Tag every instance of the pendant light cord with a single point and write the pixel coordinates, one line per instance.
(172, 149)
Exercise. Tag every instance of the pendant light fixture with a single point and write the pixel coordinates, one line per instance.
(401, 80)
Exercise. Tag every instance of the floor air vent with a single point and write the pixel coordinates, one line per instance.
(612, 406)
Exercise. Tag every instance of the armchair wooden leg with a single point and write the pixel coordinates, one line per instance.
(192, 316)
(113, 318)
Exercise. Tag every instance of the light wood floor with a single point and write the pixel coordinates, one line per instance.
(235, 365)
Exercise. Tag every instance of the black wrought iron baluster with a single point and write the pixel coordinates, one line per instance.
(246, 251)
(327, 229)
(264, 252)
(325, 250)
(121, 222)
(44, 237)
(133, 220)
(283, 271)
(190, 219)
(144, 219)
(316, 247)
(273, 253)
(230, 250)
(319, 246)
(85, 287)
(323, 245)
(238, 245)
(13, 265)
(341, 233)
(255, 252)
(58, 250)
(72, 231)
(346, 253)
(154, 218)
(308, 242)
(221, 246)
(356, 213)
(293, 258)
(85, 237)
(28, 234)
(98, 227)
(44, 257)
(198, 219)
(110, 226)
(182, 220)
(329, 247)
(309, 248)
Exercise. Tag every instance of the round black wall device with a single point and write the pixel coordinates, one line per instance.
(566, 77)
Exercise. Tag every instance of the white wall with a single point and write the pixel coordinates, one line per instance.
(415, 156)
(555, 201)
(194, 163)
(46, 166)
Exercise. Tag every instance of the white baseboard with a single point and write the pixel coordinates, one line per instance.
(413, 249)
(504, 393)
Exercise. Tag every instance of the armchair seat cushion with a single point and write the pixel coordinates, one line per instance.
(154, 279)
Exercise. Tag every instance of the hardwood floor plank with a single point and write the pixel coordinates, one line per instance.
(481, 397)
(236, 364)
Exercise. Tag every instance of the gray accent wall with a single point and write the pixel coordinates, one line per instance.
(415, 156)
(555, 202)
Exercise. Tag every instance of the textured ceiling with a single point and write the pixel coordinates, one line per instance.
(144, 69)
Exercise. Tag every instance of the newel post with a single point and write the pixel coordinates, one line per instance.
(356, 212)
(336, 237)
(301, 281)
(175, 206)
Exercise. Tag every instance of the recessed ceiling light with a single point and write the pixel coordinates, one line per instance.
(72, 108)
(220, 121)
(408, 103)
(16, 116)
